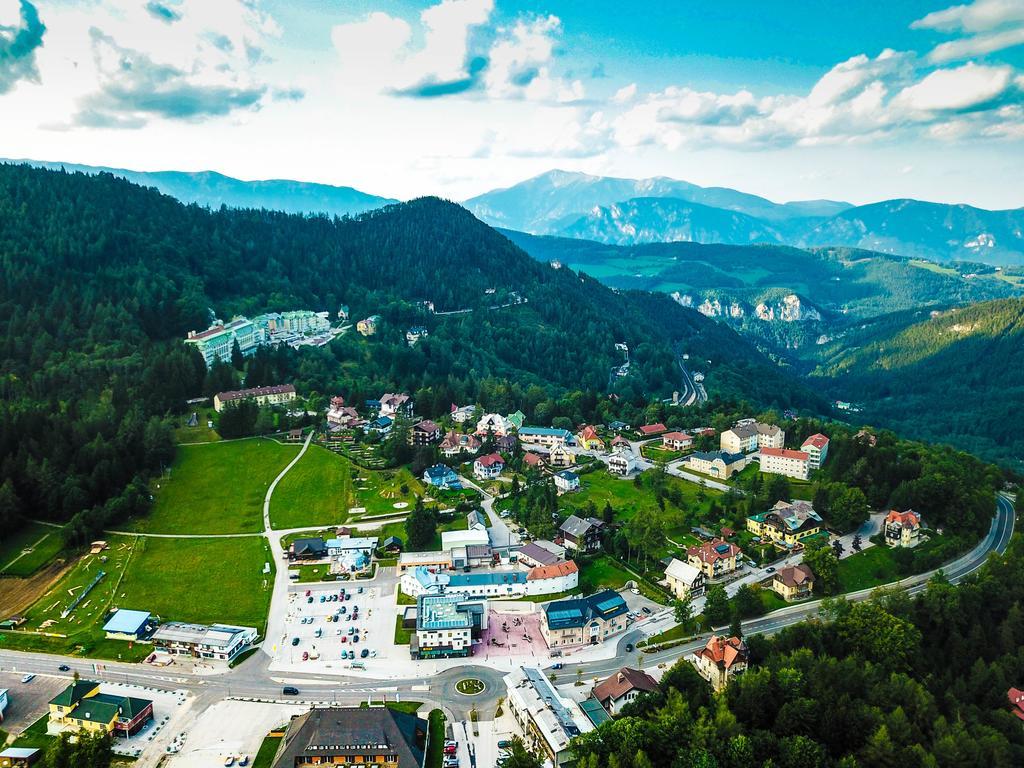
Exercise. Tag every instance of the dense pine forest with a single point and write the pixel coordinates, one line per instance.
(101, 279)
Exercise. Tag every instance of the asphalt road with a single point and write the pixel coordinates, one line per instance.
(252, 678)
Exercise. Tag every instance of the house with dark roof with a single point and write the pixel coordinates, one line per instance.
(787, 523)
(566, 481)
(424, 432)
(582, 534)
(533, 555)
(392, 544)
(312, 548)
(622, 687)
(340, 735)
(583, 620)
(81, 706)
(714, 558)
(794, 582)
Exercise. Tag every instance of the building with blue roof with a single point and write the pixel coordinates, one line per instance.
(548, 437)
(719, 464)
(127, 625)
(442, 476)
(585, 620)
(446, 625)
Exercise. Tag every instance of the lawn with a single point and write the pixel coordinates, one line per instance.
(217, 488)
(402, 635)
(29, 549)
(378, 492)
(312, 573)
(265, 757)
(316, 491)
(656, 453)
(435, 745)
(601, 573)
(200, 580)
(200, 434)
(35, 736)
(870, 568)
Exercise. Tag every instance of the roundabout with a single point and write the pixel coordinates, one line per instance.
(470, 686)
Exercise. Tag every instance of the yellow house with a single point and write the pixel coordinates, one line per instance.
(560, 457)
(794, 582)
(786, 523)
(81, 706)
(589, 439)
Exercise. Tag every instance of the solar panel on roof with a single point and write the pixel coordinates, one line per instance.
(722, 549)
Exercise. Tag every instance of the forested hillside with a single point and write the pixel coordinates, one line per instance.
(953, 378)
(101, 279)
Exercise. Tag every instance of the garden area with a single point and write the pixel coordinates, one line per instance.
(30, 548)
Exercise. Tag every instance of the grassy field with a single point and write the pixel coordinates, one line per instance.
(402, 635)
(316, 491)
(200, 434)
(35, 736)
(216, 488)
(435, 747)
(654, 452)
(201, 580)
(29, 549)
(870, 568)
(265, 757)
(603, 573)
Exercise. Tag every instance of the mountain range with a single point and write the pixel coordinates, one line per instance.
(213, 190)
(629, 212)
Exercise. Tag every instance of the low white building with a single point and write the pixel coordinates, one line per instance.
(566, 481)
(547, 719)
(214, 642)
(783, 461)
(493, 583)
(622, 463)
(684, 579)
(454, 539)
(816, 448)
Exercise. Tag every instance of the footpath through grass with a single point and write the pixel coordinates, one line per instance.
(316, 491)
(30, 548)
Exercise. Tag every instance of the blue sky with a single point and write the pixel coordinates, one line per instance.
(859, 101)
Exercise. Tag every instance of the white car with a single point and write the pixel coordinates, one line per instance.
(28, 678)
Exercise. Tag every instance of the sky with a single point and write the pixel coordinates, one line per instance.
(790, 99)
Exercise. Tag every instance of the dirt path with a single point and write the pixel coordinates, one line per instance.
(18, 594)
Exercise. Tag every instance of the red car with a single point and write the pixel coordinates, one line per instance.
(305, 655)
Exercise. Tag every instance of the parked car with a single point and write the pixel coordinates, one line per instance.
(305, 655)
(646, 610)
(364, 653)
(309, 599)
(290, 690)
(309, 592)
(557, 665)
(504, 743)
(373, 653)
(360, 590)
(323, 598)
(355, 638)
(629, 647)
(28, 678)
(295, 641)
(770, 569)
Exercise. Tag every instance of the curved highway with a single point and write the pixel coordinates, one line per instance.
(252, 679)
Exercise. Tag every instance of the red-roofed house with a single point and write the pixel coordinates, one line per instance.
(614, 692)
(816, 448)
(563, 576)
(650, 430)
(782, 461)
(1016, 697)
(676, 441)
(721, 660)
(533, 460)
(903, 529)
(488, 467)
(589, 439)
(714, 558)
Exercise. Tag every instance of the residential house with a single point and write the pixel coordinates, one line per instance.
(213, 642)
(750, 435)
(392, 545)
(623, 687)
(721, 660)
(493, 424)
(676, 441)
(618, 426)
(816, 448)
(414, 334)
(566, 481)
(446, 625)
(902, 529)
(714, 558)
(533, 555)
(582, 534)
(622, 462)
(83, 706)
(588, 439)
(368, 326)
(278, 394)
(516, 419)
(651, 430)
(718, 464)
(548, 720)
(787, 523)
(425, 432)
(506, 443)
(380, 426)
(462, 413)
(685, 580)
(793, 582)
(560, 457)
(441, 476)
(378, 736)
(583, 620)
(533, 460)
(488, 467)
(1016, 697)
(455, 444)
(394, 404)
(309, 548)
(476, 520)
(546, 437)
(620, 442)
(127, 625)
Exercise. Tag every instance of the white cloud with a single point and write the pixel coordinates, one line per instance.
(625, 94)
(962, 88)
(986, 26)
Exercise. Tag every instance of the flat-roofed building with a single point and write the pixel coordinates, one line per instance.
(547, 437)
(127, 625)
(213, 642)
(584, 620)
(439, 560)
(446, 625)
(548, 720)
(783, 461)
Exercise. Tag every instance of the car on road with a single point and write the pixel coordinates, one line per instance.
(770, 569)
(28, 678)
(244, 761)
(295, 641)
(557, 665)
(64, 668)
(504, 743)
(629, 647)
(290, 690)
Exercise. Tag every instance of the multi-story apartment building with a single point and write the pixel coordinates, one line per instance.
(217, 341)
(277, 394)
(783, 461)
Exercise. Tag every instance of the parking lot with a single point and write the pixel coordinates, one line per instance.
(27, 702)
(230, 728)
(329, 626)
